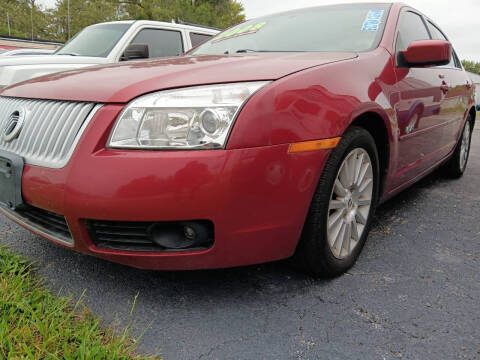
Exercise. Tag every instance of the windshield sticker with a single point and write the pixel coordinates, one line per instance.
(239, 31)
(373, 20)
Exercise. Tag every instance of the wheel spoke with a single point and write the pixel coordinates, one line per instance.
(339, 237)
(333, 235)
(362, 175)
(352, 165)
(364, 202)
(355, 230)
(336, 204)
(347, 237)
(360, 218)
(339, 189)
(335, 217)
(345, 175)
(364, 186)
(358, 168)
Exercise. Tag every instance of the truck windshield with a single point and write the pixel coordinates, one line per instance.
(336, 28)
(96, 40)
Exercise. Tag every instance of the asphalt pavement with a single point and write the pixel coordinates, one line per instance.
(414, 293)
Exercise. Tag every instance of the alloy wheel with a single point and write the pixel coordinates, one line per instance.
(465, 146)
(350, 203)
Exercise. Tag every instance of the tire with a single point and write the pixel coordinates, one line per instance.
(456, 166)
(318, 252)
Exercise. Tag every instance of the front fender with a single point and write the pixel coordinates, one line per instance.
(317, 103)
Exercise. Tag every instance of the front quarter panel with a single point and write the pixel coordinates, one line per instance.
(317, 103)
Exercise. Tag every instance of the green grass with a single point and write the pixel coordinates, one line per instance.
(35, 324)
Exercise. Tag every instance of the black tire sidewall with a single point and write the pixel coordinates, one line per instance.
(469, 123)
(453, 168)
(318, 255)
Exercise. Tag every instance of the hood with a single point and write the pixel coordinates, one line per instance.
(49, 59)
(120, 83)
(14, 69)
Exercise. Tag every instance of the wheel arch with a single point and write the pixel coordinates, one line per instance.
(374, 123)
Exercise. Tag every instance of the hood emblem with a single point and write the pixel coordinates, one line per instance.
(14, 125)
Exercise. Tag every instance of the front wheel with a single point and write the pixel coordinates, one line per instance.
(340, 214)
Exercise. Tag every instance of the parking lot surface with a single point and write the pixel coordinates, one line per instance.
(413, 293)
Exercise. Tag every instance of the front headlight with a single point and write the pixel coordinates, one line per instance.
(198, 117)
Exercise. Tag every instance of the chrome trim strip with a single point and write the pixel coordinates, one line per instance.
(37, 229)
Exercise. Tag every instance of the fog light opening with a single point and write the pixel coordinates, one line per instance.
(189, 233)
(179, 236)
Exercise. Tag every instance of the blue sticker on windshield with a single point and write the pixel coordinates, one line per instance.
(373, 20)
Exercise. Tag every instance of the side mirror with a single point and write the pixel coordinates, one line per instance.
(136, 51)
(426, 53)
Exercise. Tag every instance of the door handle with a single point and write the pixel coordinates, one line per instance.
(445, 88)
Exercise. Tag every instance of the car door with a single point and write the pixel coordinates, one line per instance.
(161, 42)
(456, 100)
(420, 92)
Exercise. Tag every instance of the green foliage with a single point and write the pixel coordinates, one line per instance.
(82, 14)
(4, 30)
(29, 20)
(26, 18)
(216, 13)
(471, 66)
(34, 324)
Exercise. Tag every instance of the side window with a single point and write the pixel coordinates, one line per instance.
(438, 35)
(458, 64)
(197, 39)
(161, 43)
(412, 28)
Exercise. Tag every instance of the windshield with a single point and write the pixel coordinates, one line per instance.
(96, 40)
(338, 28)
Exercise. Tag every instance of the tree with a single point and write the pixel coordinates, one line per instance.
(471, 66)
(82, 13)
(216, 13)
(25, 17)
(29, 20)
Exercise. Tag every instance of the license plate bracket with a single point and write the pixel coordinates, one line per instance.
(11, 170)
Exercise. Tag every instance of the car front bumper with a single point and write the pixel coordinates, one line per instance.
(256, 198)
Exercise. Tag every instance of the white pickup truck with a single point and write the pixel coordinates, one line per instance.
(107, 43)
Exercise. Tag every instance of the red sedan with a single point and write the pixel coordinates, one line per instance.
(277, 138)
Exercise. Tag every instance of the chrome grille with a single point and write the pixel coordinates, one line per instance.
(50, 132)
(15, 116)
